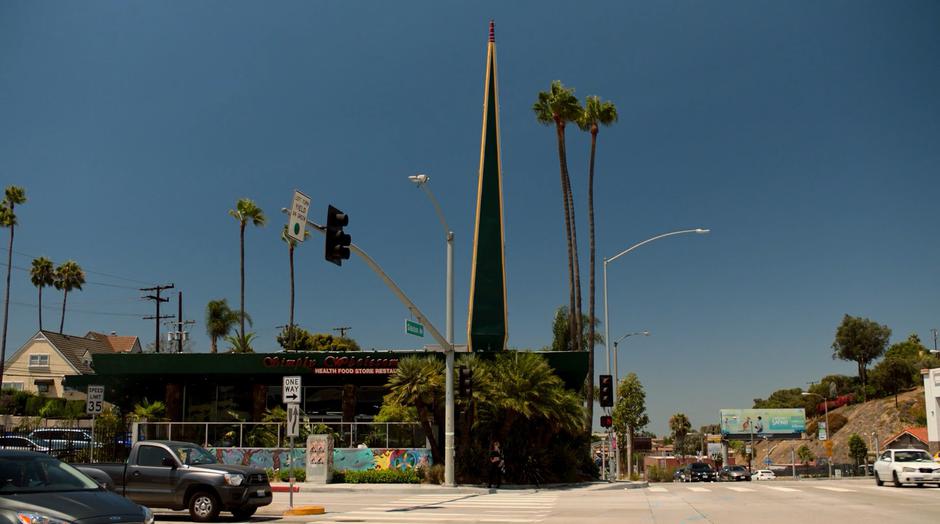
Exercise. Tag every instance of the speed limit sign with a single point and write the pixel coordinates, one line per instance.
(94, 404)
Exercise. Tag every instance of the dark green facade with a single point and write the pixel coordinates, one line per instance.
(206, 387)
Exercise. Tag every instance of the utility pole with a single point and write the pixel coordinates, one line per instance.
(156, 298)
(342, 330)
(934, 331)
(180, 334)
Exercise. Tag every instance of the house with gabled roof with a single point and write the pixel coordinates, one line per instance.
(908, 438)
(118, 343)
(42, 363)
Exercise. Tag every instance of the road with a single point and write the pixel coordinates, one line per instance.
(807, 501)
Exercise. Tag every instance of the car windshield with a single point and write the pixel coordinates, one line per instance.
(31, 474)
(701, 467)
(736, 468)
(912, 456)
(193, 455)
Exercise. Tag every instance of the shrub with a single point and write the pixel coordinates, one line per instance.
(657, 474)
(382, 476)
(300, 474)
(432, 475)
(836, 422)
(339, 477)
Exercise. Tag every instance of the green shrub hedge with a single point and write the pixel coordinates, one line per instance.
(380, 476)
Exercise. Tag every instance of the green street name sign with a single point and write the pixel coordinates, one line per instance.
(414, 328)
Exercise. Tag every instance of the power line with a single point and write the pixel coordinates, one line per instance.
(110, 275)
(74, 310)
(92, 282)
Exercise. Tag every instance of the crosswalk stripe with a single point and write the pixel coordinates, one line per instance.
(781, 488)
(358, 516)
(657, 489)
(739, 490)
(699, 490)
(840, 490)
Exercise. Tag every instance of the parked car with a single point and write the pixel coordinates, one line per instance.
(906, 466)
(763, 474)
(21, 444)
(734, 473)
(698, 472)
(36, 487)
(181, 475)
(62, 439)
(677, 475)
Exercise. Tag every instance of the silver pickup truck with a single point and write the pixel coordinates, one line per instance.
(182, 475)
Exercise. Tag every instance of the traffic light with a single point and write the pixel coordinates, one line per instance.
(606, 391)
(465, 381)
(607, 421)
(337, 241)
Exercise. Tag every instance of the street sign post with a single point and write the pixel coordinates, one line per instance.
(290, 390)
(94, 400)
(296, 225)
(414, 328)
(290, 395)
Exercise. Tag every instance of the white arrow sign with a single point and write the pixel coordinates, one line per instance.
(290, 390)
(293, 420)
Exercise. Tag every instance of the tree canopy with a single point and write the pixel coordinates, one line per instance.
(860, 340)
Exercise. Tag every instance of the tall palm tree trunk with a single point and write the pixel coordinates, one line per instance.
(215, 344)
(578, 317)
(65, 296)
(563, 161)
(290, 251)
(590, 376)
(241, 313)
(40, 308)
(6, 303)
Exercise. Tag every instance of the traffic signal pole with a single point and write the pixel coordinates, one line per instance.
(435, 334)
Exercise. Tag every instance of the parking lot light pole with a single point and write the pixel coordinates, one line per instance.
(828, 428)
(616, 388)
(421, 180)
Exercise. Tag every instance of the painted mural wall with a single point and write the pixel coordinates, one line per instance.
(358, 459)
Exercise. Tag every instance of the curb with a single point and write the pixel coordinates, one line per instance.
(622, 484)
(309, 487)
(304, 510)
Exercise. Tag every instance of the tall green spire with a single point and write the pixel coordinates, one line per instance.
(486, 327)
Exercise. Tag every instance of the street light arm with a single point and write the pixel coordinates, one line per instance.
(440, 213)
(657, 237)
(644, 333)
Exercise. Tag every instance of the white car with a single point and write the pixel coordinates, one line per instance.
(906, 466)
(763, 474)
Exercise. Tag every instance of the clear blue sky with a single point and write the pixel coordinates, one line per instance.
(805, 134)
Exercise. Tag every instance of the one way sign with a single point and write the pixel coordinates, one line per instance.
(290, 391)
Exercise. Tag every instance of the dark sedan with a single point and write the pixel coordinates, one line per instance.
(734, 474)
(38, 488)
(698, 472)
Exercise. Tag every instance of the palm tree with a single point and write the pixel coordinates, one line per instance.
(559, 106)
(220, 319)
(245, 211)
(68, 276)
(291, 245)
(13, 196)
(595, 113)
(419, 382)
(680, 425)
(42, 274)
(527, 387)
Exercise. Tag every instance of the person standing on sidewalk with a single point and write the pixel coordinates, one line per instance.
(497, 465)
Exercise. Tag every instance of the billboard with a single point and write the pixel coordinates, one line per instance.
(770, 423)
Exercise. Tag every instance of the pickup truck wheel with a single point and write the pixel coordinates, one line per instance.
(203, 506)
(244, 513)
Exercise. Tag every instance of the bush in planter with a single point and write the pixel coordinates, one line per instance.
(382, 476)
(300, 474)
(432, 475)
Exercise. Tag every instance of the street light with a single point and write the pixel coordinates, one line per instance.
(699, 231)
(421, 180)
(617, 386)
(828, 428)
